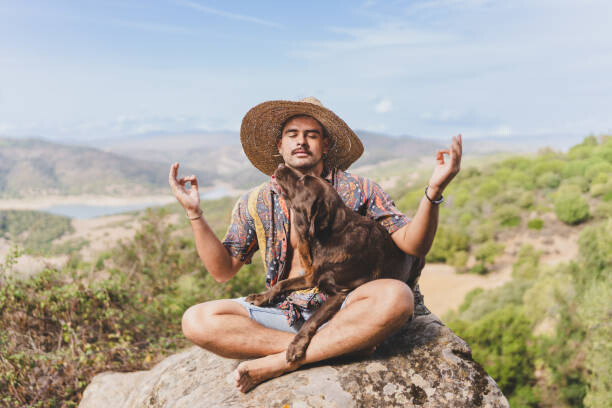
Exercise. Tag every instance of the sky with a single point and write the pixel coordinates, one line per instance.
(86, 70)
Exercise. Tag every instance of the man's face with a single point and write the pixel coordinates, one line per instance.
(302, 145)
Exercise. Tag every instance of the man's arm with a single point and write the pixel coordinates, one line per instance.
(217, 260)
(417, 236)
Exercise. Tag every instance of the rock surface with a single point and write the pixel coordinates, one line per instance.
(423, 365)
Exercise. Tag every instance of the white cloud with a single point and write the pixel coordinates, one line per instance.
(227, 14)
(154, 27)
(390, 34)
(383, 106)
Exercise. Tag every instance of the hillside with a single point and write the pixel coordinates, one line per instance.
(220, 153)
(33, 168)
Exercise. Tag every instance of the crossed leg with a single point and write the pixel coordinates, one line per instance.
(372, 312)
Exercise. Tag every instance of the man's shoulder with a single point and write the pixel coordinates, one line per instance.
(347, 177)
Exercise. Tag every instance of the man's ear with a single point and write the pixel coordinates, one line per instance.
(326, 143)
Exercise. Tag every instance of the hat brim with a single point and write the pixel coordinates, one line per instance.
(262, 126)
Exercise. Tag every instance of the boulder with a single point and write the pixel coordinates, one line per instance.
(423, 365)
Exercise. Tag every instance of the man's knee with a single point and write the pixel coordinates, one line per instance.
(395, 300)
(198, 325)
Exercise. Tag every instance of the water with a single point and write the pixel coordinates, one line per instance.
(85, 211)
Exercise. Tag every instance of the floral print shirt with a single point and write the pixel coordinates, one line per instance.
(359, 193)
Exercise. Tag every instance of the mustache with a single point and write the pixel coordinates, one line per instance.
(301, 149)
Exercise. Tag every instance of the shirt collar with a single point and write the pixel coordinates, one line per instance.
(327, 174)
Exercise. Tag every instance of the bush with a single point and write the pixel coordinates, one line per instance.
(527, 263)
(33, 230)
(59, 328)
(507, 216)
(487, 252)
(548, 180)
(571, 208)
(449, 239)
(526, 200)
(497, 340)
(578, 181)
(535, 224)
(599, 167)
(598, 190)
(488, 189)
(603, 210)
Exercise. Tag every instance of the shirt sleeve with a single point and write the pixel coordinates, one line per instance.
(241, 239)
(381, 208)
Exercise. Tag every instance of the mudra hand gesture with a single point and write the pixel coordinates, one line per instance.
(445, 171)
(190, 200)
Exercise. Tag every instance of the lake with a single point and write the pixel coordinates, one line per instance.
(85, 211)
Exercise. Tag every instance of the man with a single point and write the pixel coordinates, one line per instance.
(312, 140)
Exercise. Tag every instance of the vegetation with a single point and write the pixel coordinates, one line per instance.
(551, 321)
(544, 336)
(486, 203)
(34, 231)
(120, 313)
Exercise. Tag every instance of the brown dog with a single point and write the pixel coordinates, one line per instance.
(339, 249)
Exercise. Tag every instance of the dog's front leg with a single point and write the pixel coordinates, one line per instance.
(297, 348)
(267, 297)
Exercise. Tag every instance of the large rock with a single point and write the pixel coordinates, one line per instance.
(423, 365)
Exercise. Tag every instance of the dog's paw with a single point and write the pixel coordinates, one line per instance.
(297, 349)
(258, 299)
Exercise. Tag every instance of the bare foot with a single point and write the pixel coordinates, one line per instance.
(250, 373)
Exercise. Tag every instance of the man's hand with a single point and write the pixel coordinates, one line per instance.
(190, 200)
(445, 171)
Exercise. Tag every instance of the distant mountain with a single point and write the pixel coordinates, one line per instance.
(379, 147)
(220, 153)
(32, 167)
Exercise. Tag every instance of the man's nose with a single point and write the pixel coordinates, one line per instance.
(301, 139)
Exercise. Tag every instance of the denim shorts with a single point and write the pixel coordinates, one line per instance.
(273, 317)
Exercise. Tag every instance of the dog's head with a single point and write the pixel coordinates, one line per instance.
(313, 199)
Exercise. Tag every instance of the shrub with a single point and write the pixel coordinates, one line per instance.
(527, 263)
(483, 232)
(578, 181)
(526, 200)
(571, 208)
(486, 254)
(507, 216)
(596, 168)
(488, 189)
(535, 224)
(598, 190)
(449, 239)
(603, 210)
(497, 340)
(459, 259)
(548, 180)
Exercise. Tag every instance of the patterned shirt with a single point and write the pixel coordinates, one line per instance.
(358, 193)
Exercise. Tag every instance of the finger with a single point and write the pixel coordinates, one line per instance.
(183, 180)
(194, 186)
(194, 182)
(173, 172)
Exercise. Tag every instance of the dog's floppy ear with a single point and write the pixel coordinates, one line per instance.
(320, 216)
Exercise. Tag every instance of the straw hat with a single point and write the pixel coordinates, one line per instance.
(262, 126)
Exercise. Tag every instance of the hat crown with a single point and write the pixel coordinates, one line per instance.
(313, 100)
